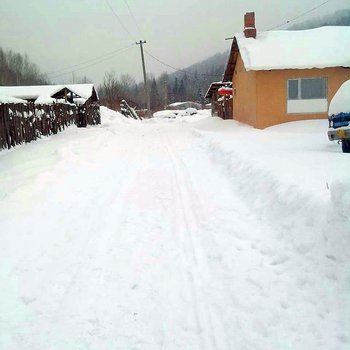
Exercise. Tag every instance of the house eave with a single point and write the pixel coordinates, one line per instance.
(231, 63)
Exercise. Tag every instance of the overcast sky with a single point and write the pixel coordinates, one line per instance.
(61, 33)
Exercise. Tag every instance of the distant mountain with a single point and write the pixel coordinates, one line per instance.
(191, 82)
(199, 75)
(212, 66)
(338, 18)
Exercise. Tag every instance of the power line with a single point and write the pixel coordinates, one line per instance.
(118, 18)
(93, 64)
(178, 69)
(301, 15)
(133, 17)
(220, 75)
(90, 60)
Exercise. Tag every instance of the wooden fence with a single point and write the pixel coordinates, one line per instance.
(23, 123)
(88, 114)
(223, 108)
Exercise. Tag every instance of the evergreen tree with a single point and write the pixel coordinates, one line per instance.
(182, 91)
(176, 91)
(155, 100)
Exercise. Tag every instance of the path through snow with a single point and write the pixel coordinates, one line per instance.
(129, 237)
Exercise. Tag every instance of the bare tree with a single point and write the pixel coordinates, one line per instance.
(17, 69)
(110, 91)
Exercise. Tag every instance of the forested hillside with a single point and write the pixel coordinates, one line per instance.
(339, 18)
(17, 69)
(196, 78)
(189, 84)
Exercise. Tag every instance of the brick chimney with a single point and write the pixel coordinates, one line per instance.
(249, 25)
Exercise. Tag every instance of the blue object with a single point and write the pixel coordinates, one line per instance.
(340, 120)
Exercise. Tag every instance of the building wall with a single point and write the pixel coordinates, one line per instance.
(244, 99)
(272, 93)
(260, 97)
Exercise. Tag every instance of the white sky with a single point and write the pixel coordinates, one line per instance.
(61, 33)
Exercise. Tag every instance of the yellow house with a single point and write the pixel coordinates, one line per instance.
(283, 76)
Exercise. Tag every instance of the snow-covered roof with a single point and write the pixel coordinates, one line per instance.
(184, 105)
(79, 100)
(341, 100)
(30, 92)
(214, 86)
(83, 90)
(175, 104)
(45, 92)
(313, 48)
(44, 99)
(10, 99)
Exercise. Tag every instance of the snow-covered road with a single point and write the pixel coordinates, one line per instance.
(130, 237)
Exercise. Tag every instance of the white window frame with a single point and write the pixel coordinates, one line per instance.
(306, 106)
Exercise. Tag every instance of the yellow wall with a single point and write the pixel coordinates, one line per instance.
(272, 93)
(244, 100)
(261, 96)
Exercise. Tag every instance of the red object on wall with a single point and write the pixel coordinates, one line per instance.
(225, 91)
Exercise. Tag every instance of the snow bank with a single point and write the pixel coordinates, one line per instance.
(314, 48)
(341, 100)
(110, 115)
(291, 175)
(298, 183)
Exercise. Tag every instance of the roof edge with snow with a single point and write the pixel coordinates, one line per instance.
(323, 47)
(40, 93)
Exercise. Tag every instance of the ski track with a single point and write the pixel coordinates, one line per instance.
(146, 246)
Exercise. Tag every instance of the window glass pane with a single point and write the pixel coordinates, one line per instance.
(313, 88)
(292, 89)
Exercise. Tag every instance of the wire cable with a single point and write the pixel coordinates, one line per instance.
(88, 61)
(301, 15)
(178, 69)
(133, 17)
(119, 20)
(95, 63)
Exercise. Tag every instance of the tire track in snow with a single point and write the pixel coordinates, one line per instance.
(183, 191)
(190, 195)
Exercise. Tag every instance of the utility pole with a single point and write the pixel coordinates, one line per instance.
(147, 99)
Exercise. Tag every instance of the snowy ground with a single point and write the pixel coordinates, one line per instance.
(186, 233)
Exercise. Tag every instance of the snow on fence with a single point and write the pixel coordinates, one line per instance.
(26, 122)
(88, 114)
(223, 107)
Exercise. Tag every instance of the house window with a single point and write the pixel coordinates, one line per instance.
(307, 95)
(293, 89)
